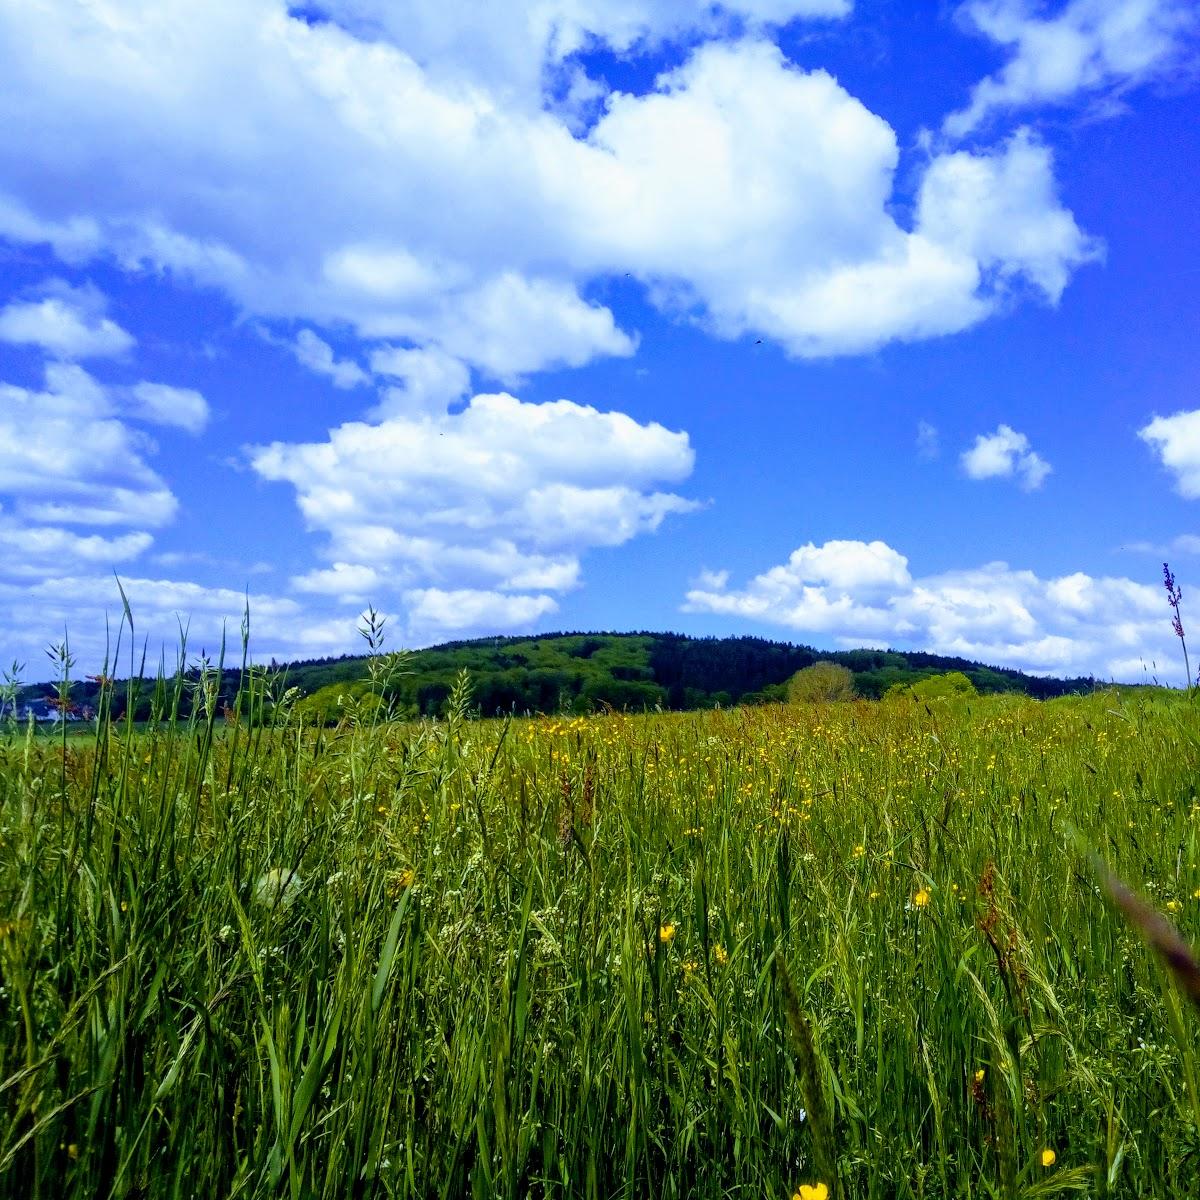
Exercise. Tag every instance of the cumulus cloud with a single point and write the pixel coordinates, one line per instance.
(1088, 45)
(85, 601)
(70, 456)
(65, 456)
(433, 610)
(1176, 441)
(317, 355)
(35, 551)
(511, 325)
(513, 47)
(349, 582)
(858, 593)
(66, 322)
(999, 211)
(360, 172)
(708, 580)
(503, 497)
(430, 380)
(760, 197)
(1005, 454)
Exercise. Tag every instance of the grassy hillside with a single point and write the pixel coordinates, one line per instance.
(589, 672)
(584, 672)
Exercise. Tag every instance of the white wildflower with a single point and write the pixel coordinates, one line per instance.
(278, 886)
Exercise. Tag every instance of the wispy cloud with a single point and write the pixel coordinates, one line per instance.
(1085, 47)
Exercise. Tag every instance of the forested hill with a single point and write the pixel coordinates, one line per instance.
(585, 671)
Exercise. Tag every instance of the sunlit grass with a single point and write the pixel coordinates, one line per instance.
(819, 950)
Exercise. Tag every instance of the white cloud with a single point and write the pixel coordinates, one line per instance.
(512, 47)
(1000, 212)
(511, 325)
(67, 323)
(349, 582)
(36, 613)
(183, 408)
(759, 195)
(1176, 441)
(432, 610)
(1086, 46)
(35, 551)
(82, 603)
(402, 188)
(1005, 454)
(502, 497)
(707, 580)
(840, 564)
(317, 355)
(781, 226)
(858, 593)
(70, 457)
(74, 240)
(432, 380)
(66, 457)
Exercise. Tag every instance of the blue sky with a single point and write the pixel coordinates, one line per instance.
(848, 323)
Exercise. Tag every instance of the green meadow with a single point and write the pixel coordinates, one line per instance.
(820, 950)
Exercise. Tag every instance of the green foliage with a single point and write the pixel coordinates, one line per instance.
(953, 685)
(580, 673)
(822, 682)
(615, 955)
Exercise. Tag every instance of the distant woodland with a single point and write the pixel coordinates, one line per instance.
(588, 672)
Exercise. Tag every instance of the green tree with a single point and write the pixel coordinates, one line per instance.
(824, 680)
(951, 685)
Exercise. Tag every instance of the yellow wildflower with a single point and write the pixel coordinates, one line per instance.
(720, 954)
(666, 933)
(812, 1191)
(1173, 906)
(979, 1075)
(1048, 1157)
(921, 898)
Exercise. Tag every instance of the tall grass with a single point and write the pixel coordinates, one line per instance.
(723, 954)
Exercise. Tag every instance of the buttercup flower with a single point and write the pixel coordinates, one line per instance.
(812, 1191)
